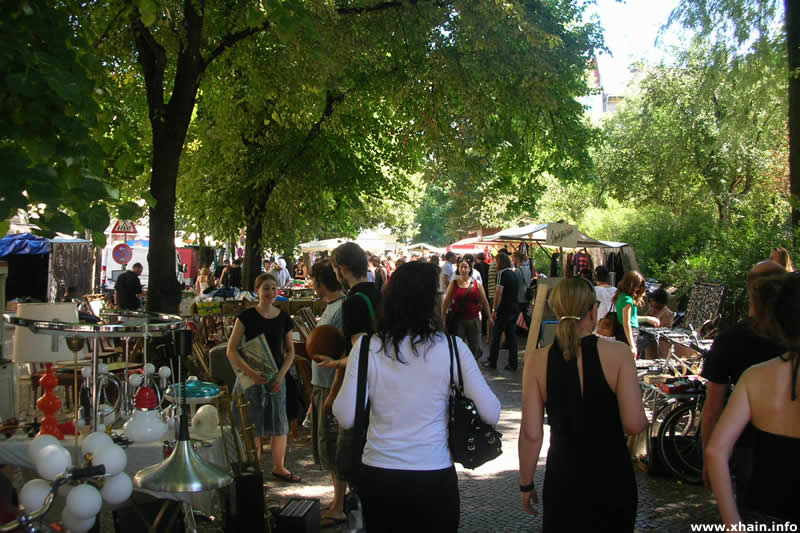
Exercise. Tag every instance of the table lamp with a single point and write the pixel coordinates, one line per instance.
(32, 347)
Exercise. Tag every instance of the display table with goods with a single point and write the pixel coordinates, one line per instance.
(139, 399)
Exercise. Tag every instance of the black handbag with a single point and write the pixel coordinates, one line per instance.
(472, 442)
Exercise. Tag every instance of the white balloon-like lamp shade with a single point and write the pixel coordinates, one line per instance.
(95, 441)
(145, 426)
(112, 457)
(117, 489)
(30, 347)
(52, 461)
(75, 524)
(33, 494)
(40, 442)
(84, 501)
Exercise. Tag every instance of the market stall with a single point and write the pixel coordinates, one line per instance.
(424, 248)
(569, 243)
(42, 269)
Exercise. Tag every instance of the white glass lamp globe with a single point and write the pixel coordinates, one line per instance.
(52, 461)
(33, 494)
(84, 501)
(112, 457)
(206, 421)
(164, 372)
(117, 489)
(135, 380)
(149, 369)
(145, 426)
(75, 524)
(86, 371)
(102, 368)
(40, 442)
(95, 441)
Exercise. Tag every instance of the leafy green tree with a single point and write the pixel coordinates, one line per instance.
(53, 165)
(444, 82)
(288, 136)
(705, 132)
(748, 30)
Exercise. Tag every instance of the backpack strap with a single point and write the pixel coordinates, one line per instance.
(370, 308)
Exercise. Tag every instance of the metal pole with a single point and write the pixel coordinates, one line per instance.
(95, 390)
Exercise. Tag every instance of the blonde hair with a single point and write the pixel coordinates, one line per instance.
(784, 258)
(571, 299)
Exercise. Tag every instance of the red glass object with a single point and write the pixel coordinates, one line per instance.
(49, 404)
(146, 398)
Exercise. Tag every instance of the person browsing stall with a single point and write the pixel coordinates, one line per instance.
(735, 350)
(358, 317)
(766, 397)
(408, 481)
(630, 295)
(267, 398)
(590, 390)
(324, 428)
(504, 314)
(128, 289)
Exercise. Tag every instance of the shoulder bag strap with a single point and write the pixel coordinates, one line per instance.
(361, 420)
(454, 351)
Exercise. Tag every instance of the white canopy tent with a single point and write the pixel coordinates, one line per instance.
(423, 247)
(375, 246)
(564, 237)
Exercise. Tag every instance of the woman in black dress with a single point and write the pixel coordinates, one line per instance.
(591, 392)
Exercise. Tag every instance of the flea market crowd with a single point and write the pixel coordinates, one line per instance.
(383, 414)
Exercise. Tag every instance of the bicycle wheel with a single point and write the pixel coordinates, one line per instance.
(680, 444)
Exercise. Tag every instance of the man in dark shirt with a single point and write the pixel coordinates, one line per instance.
(358, 316)
(483, 268)
(733, 352)
(128, 288)
(505, 314)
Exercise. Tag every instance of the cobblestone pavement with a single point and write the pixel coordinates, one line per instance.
(490, 494)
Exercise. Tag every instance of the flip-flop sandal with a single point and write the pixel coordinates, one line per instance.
(330, 521)
(289, 478)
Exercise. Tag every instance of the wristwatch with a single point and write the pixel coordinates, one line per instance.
(526, 488)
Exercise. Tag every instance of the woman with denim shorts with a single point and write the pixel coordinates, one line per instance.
(267, 398)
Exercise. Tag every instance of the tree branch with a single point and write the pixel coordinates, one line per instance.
(233, 38)
(153, 59)
(372, 9)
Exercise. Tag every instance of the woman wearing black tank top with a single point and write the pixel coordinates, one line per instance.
(766, 396)
(591, 393)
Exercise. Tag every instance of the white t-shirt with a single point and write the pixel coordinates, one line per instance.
(448, 271)
(604, 295)
(408, 402)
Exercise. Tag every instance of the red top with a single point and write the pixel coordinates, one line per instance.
(467, 306)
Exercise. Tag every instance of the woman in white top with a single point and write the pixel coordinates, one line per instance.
(407, 474)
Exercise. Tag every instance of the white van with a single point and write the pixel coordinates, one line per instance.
(111, 269)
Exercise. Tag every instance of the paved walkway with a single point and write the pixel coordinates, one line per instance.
(490, 494)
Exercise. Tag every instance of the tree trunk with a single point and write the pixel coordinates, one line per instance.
(252, 250)
(793, 44)
(163, 294)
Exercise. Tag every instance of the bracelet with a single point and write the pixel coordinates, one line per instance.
(526, 488)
